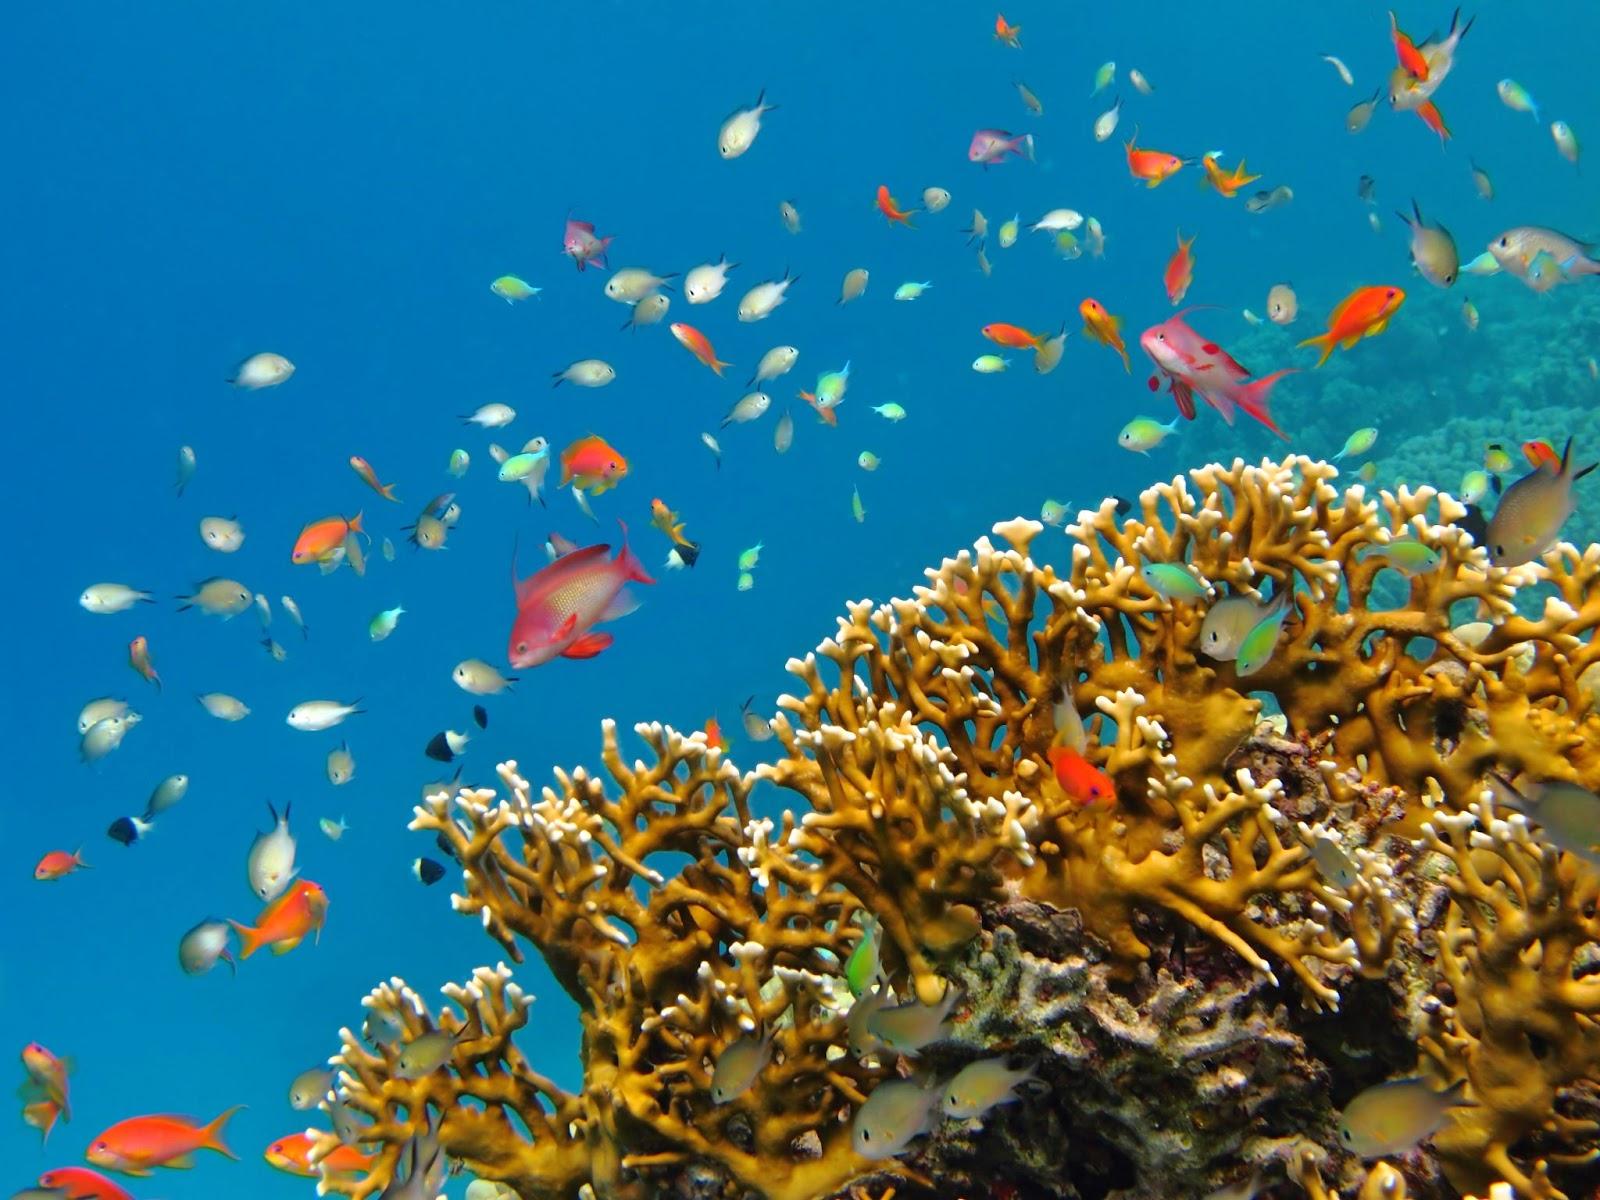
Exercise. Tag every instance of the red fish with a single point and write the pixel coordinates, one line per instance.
(1542, 454)
(1080, 778)
(319, 539)
(1155, 167)
(559, 605)
(57, 865)
(1011, 35)
(713, 734)
(139, 1143)
(370, 477)
(1180, 270)
(1406, 51)
(697, 344)
(1433, 119)
(1191, 365)
(139, 660)
(1104, 328)
(992, 145)
(293, 1154)
(284, 923)
(1364, 313)
(592, 464)
(891, 209)
(580, 244)
(80, 1183)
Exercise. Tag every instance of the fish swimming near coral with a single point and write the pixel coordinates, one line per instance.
(559, 605)
(1532, 511)
(1192, 365)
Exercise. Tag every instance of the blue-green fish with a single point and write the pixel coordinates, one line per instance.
(1144, 434)
(1358, 443)
(907, 1028)
(1172, 582)
(511, 289)
(1408, 556)
(861, 1039)
(1255, 651)
(863, 966)
(383, 624)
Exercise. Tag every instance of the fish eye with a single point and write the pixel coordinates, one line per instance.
(1161, 337)
(1345, 1134)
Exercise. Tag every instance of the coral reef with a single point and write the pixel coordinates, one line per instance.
(1284, 902)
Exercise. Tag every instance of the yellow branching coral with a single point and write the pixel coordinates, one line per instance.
(1520, 937)
(921, 756)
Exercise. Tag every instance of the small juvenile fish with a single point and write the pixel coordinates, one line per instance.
(479, 678)
(1144, 434)
(1095, 237)
(1338, 65)
(202, 946)
(490, 416)
(1283, 306)
(331, 829)
(1481, 181)
(460, 460)
(586, 372)
(1140, 83)
(1358, 443)
(222, 534)
(746, 581)
(855, 283)
(106, 598)
(139, 660)
(908, 1028)
(186, 464)
(1515, 97)
(261, 371)
(748, 559)
(990, 364)
(783, 433)
(1408, 556)
(1566, 141)
(704, 283)
(1257, 647)
(890, 411)
(789, 215)
(982, 1085)
(1476, 485)
(867, 460)
(1029, 100)
(857, 509)
(894, 1115)
(274, 650)
(269, 866)
(911, 290)
(935, 199)
(1173, 582)
(1053, 512)
(1393, 1117)
(710, 443)
(1104, 76)
(1106, 123)
(1007, 235)
(425, 1054)
(309, 1087)
(739, 1066)
(1365, 187)
(313, 716)
(1357, 118)
(1337, 867)
(223, 706)
(1267, 201)
(1469, 314)
(384, 622)
(167, 793)
(341, 765)
(512, 290)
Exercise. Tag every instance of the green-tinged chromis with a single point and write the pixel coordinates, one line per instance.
(746, 581)
(1566, 815)
(750, 557)
(1256, 650)
(1053, 512)
(990, 364)
(895, 1114)
(1393, 1117)
(890, 411)
(857, 509)
(867, 460)
(1105, 74)
(1358, 443)
(383, 624)
(1515, 97)
(1335, 866)
(460, 460)
(863, 967)
(1532, 511)
(739, 1066)
(511, 289)
(1497, 459)
(1173, 582)
(911, 291)
(982, 1085)
(1408, 556)
(1476, 485)
(857, 1027)
(1144, 434)
(1007, 233)
(908, 1028)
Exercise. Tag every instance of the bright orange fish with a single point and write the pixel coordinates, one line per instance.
(891, 209)
(139, 1143)
(828, 415)
(370, 477)
(1227, 183)
(1542, 454)
(284, 923)
(1406, 51)
(1014, 336)
(1433, 119)
(1155, 167)
(57, 865)
(1104, 328)
(1011, 35)
(697, 344)
(1080, 778)
(1180, 270)
(293, 1154)
(592, 464)
(318, 540)
(1364, 313)
(713, 734)
(44, 1092)
(80, 1183)
(139, 660)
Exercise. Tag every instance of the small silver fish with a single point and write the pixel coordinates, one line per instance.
(1532, 511)
(425, 1054)
(895, 1114)
(982, 1085)
(1393, 1117)
(309, 1087)
(739, 1066)
(907, 1028)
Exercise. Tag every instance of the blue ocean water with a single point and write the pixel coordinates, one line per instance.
(191, 183)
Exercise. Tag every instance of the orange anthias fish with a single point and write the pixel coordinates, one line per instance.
(891, 209)
(1227, 183)
(57, 865)
(370, 477)
(80, 1183)
(1180, 270)
(1014, 337)
(1104, 328)
(319, 539)
(139, 1143)
(44, 1092)
(1406, 51)
(1153, 166)
(293, 1154)
(713, 734)
(1542, 454)
(139, 660)
(1364, 313)
(697, 344)
(1433, 119)
(592, 464)
(1080, 778)
(1011, 35)
(284, 923)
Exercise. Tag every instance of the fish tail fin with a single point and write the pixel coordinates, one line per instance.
(1324, 340)
(77, 857)
(689, 552)
(211, 1135)
(355, 524)
(632, 568)
(387, 492)
(1253, 399)
(249, 938)
(1126, 365)
(716, 364)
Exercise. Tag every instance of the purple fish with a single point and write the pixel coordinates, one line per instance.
(580, 244)
(992, 145)
(1190, 364)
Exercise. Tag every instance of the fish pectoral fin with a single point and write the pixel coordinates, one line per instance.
(589, 645)
(623, 603)
(1350, 341)
(284, 947)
